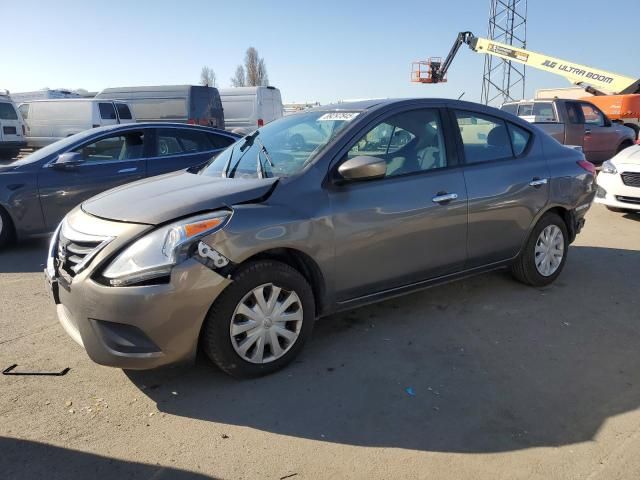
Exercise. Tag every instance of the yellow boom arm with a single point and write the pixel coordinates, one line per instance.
(600, 80)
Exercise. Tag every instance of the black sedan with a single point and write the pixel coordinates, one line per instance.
(38, 190)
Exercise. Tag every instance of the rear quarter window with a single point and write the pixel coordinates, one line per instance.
(220, 141)
(520, 139)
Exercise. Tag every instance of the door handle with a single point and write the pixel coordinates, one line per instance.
(128, 170)
(444, 197)
(538, 182)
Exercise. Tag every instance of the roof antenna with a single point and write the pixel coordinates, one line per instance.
(461, 95)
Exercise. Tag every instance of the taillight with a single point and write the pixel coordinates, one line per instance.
(588, 166)
(260, 122)
(191, 121)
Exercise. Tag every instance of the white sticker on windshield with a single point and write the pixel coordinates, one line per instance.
(337, 116)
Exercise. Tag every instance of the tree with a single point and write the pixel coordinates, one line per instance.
(238, 80)
(254, 72)
(207, 77)
(256, 69)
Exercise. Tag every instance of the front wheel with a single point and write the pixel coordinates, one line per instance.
(261, 321)
(544, 254)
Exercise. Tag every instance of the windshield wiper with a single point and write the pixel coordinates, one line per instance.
(260, 168)
(225, 170)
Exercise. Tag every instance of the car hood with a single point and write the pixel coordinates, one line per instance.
(164, 198)
(628, 156)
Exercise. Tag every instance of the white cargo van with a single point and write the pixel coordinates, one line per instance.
(248, 108)
(48, 121)
(11, 128)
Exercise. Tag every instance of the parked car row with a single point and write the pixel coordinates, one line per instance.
(314, 213)
(42, 122)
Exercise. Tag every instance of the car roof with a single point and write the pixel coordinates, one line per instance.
(371, 105)
(134, 125)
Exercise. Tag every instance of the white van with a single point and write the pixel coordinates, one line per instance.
(248, 108)
(12, 128)
(48, 121)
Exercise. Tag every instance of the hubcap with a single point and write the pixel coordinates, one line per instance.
(549, 250)
(266, 323)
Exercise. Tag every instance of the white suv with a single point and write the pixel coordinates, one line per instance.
(619, 181)
(11, 128)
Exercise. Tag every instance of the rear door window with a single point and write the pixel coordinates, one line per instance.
(175, 141)
(107, 112)
(123, 111)
(7, 112)
(484, 138)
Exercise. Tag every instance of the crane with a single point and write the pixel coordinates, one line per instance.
(617, 95)
(594, 80)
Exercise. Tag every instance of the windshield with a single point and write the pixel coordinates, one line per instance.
(280, 149)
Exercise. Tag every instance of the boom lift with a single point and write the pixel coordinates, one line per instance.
(617, 95)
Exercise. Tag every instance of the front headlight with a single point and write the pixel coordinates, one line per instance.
(155, 254)
(608, 167)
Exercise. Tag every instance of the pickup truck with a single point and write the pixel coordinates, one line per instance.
(576, 123)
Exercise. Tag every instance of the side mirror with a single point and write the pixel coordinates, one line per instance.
(68, 161)
(607, 122)
(363, 167)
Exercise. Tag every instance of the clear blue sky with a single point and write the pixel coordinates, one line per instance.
(323, 51)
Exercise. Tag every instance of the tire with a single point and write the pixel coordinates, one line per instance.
(524, 267)
(633, 127)
(623, 146)
(224, 349)
(6, 228)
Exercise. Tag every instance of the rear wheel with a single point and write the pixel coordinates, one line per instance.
(544, 253)
(261, 321)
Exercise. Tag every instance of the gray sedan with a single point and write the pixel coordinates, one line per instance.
(314, 213)
(38, 190)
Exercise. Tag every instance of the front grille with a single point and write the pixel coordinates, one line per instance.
(634, 200)
(631, 179)
(76, 249)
